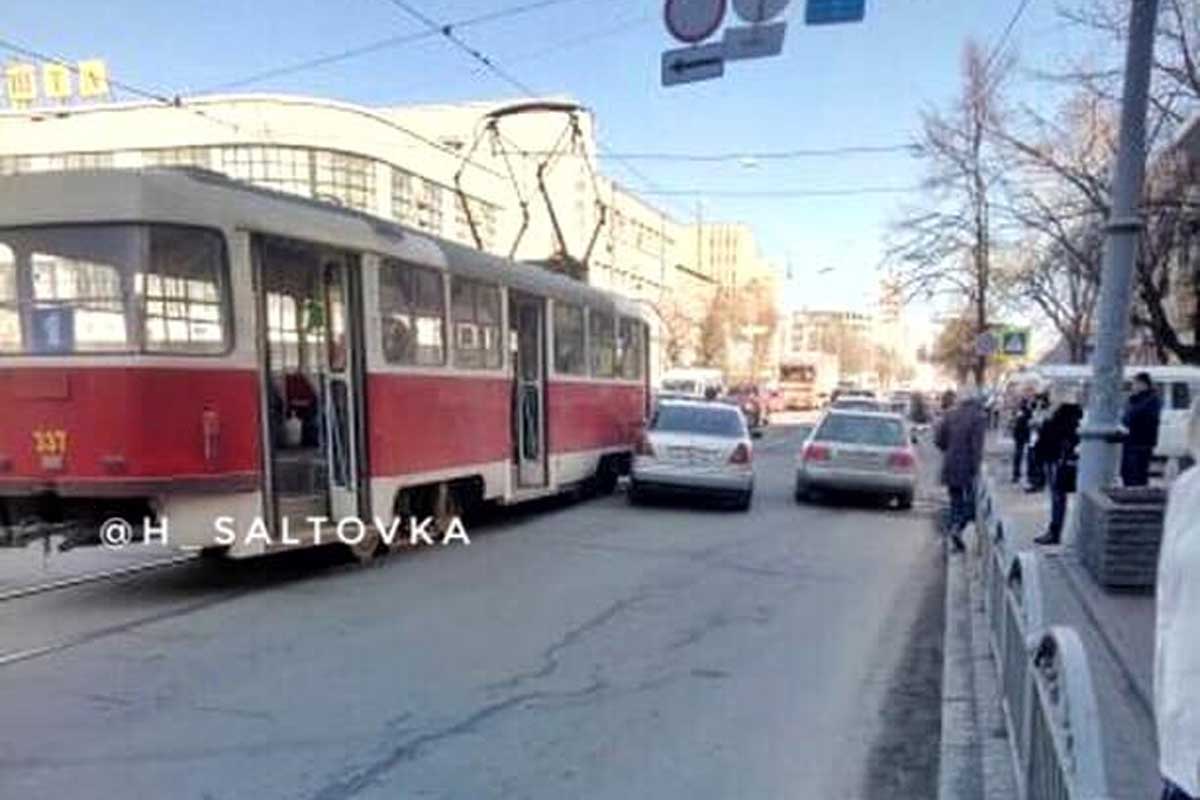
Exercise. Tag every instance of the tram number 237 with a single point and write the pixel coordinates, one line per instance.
(50, 441)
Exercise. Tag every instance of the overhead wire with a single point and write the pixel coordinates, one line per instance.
(168, 101)
(381, 44)
(1002, 42)
(492, 66)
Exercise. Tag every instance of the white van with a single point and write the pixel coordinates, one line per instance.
(696, 383)
(1176, 387)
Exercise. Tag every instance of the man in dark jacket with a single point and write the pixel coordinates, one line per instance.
(960, 438)
(1058, 448)
(1141, 420)
(1020, 433)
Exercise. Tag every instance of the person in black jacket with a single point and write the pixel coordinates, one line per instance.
(1057, 445)
(1141, 418)
(1021, 431)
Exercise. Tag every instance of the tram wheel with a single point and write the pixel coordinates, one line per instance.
(404, 511)
(364, 550)
(606, 476)
(446, 508)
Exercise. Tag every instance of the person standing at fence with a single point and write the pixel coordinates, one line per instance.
(1035, 470)
(1058, 444)
(1021, 432)
(1142, 414)
(1177, 634)
(960, 437)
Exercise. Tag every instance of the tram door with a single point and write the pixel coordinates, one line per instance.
(341, 419)
(526, 321)
(310, 354)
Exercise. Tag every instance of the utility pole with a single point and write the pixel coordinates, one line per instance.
(1103, 433)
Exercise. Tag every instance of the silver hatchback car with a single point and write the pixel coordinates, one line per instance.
(695, 448)
(861, 452)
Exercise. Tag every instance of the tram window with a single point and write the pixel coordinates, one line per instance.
(412, 307)
(113, 288)
(10, 318)
(181, 292)
(475, 311)
(630, 348)
(570, 358)
(79, 289)
(603, 344)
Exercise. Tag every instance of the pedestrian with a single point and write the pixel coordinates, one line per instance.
(1142, 414)
(960, 437)
(1020, 433)
(1059, 443)
(1035, 469)
(1177, 633)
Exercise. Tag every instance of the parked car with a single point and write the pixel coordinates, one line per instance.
(753, 404)
(857, 404)
(695, 448)
(859, 452)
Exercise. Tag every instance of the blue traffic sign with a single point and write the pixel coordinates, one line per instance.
(830, 12)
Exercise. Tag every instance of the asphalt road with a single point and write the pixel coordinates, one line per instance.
(586, 649)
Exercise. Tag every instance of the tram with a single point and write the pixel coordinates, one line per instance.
(175, 345)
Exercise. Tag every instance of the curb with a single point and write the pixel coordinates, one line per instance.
(958, 764)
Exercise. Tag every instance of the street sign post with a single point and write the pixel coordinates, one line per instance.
(986, 344)
(754, 41)
(1014, 342)
(690, 64)
(693, 21)
(833, 12)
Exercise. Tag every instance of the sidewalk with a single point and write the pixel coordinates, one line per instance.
(1117, 629)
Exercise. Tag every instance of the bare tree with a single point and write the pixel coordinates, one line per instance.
(714, 334)
(1056, 192)
(946, 244)
(1168, 214)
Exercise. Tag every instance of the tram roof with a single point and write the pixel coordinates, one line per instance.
(192, 196)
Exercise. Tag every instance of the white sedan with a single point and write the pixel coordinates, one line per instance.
(695, 448)
(862, 452)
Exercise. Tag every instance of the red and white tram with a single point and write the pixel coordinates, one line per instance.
(180, 346)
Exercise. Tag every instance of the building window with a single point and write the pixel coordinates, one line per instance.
(15, 165)
(483, 214)
(429, 207)
(569, 342)
(81, 161)
(344, 179)
(475, 311)
(412, 308)
(602, 344)
(404, 197)
(179, 157)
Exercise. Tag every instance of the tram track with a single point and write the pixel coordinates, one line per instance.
(92, 577)
(86, 637)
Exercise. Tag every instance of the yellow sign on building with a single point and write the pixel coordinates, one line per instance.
(93, 78)
(56, 81)
(21, 83)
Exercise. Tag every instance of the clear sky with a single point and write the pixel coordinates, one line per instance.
(848, 85)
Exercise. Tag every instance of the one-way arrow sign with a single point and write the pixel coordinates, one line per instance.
(688, 64)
